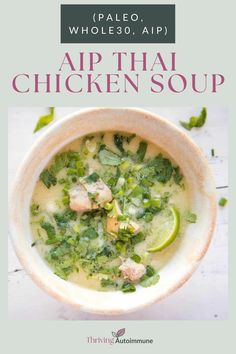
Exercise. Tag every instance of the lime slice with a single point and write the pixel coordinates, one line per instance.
(166, 228)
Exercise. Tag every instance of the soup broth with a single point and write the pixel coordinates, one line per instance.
(109, 211)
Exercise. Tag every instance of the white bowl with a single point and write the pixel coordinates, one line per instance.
(169, 138)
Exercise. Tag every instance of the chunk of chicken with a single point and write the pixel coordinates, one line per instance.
(131, 270)
(89, 196)
(102, 193)
(113, 224)
(79, 199)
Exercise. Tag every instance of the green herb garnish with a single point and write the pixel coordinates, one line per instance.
(107, 283)
(121, 247)
(195, 122)
(223, 201)
(45, 120)
(90, 233)
(51, 232)
(128, 287)
(138, 238)
(48, 178)
(149, 281)
(108, 157)
(34, 209)
(162, 168)
(62, 219)
(136, 258)
(191, 217)
(94, 177)
(177, 175)
(150, 271)
(120, 139)
(71, 160)
(141, 152)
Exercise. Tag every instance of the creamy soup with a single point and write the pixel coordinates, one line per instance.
(109, 211)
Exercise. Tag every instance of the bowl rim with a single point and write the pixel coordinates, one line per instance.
(189, 270)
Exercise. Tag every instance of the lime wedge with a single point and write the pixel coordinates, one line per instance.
(166, 228)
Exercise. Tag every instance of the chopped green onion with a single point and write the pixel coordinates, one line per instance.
(223, 201)
(195, 122)
(45, 120)
(191, 217)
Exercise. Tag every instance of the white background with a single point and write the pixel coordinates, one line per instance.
(203, 297)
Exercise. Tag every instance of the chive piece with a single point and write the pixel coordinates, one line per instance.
(50, 229)
(141, 152)
(48, 178)
(128, 287)
(195, 122)
(212, 152)
(121, 247)
(138, 238)
(130, 138)
(177, 175)
(136, 258)
(118, 141)
(45, 120)
(107, 282)
(223, 201)
(150, 271)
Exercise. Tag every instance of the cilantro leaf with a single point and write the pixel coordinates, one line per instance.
(90, 233)
(49, 228)
(149, 281)
(138, 238)
(163, 168)
(70, 160)
(92, 178)
(63, 218)
(150, 271)
(108, 157)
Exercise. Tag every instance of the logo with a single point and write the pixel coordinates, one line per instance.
(116, 339)
(119, 333)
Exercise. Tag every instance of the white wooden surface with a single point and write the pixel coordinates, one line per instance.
(203, 297)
